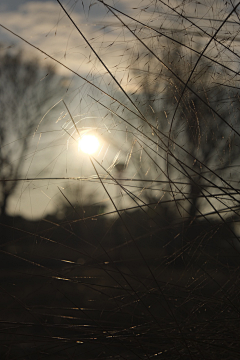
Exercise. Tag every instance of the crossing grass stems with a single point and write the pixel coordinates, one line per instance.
(150, 269)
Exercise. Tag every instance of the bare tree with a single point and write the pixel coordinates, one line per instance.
(194, 136)
(27, 90)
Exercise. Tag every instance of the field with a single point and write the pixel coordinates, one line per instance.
(120, 181)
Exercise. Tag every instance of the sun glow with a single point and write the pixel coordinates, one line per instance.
(89, 144)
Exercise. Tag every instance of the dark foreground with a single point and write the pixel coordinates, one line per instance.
(107, 300)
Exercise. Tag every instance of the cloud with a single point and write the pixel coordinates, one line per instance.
(46, 26)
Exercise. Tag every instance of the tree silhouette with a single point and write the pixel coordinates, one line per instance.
(26, 92)
(155, 276)
(196, 141)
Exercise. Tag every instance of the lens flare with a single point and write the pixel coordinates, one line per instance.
(89, 144)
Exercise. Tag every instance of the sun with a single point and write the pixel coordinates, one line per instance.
(89, 144)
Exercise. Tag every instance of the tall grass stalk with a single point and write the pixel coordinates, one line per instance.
(139, 257)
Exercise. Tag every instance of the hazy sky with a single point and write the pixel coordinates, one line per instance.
(44, 24)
